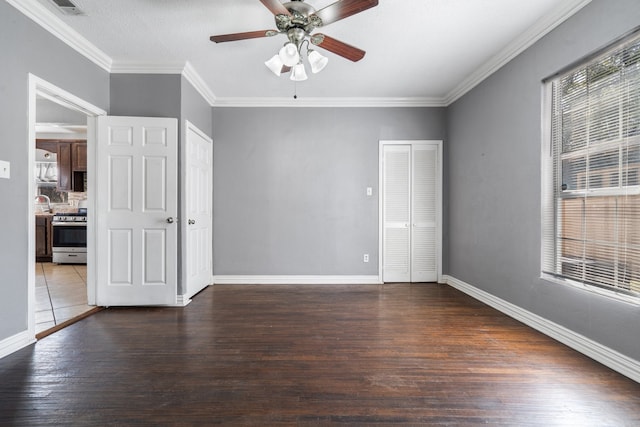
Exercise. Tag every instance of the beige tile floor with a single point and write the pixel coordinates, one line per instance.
(61, 293)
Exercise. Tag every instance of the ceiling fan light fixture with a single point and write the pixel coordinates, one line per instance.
(317, 61)
(298, 20)
(298, 73)
(289, 55)
(275, 64)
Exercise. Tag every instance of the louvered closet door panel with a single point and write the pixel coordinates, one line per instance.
(396, 213)
(423, 221)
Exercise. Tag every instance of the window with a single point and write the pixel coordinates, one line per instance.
(591, 224)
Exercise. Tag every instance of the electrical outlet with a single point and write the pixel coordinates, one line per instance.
(365, 258)
(369, 191)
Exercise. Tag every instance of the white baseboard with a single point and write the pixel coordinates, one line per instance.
(296, 280)
(15, 343)
(182, 301)
(618, 362)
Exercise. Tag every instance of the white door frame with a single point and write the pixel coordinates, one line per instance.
(438, 144)
(41, 87)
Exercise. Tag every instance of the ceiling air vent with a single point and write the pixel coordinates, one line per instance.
(67, 7)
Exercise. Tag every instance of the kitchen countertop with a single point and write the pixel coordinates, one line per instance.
(56, 210)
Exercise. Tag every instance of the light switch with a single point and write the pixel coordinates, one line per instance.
(5, 169)
(369, 191)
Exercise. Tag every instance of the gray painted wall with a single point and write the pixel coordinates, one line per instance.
(494, 143)
(145, 95)
(289, 186)
(27, 48)
(159, 95)
(195, 108)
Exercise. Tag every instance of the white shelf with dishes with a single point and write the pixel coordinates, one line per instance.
(46, 173)
(46, 170)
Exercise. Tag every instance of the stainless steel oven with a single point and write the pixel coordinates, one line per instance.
(69, 238)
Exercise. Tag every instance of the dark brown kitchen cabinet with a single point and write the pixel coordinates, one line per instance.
(49, 145)
(64, 166)
(44, 238)
(79, 157)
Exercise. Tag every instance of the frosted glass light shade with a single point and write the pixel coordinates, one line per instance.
(298, 73)
(317, 61)
(275, 65)
(289, 55)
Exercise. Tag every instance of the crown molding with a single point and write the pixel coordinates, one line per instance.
(192, 76)
(329, 102)
(50, 22)
(564, 11)
(185, 69)
(133, 67)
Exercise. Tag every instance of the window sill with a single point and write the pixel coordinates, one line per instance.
(593, 289)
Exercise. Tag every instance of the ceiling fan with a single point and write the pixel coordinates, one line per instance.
(297, 19)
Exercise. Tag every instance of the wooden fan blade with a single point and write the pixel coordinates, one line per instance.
(243, 36)
(343, 9)
(275, 7)
(339, 48)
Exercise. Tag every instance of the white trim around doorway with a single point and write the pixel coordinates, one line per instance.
(42, 88)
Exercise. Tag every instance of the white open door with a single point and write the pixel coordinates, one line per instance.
(136, 207)
(197, 217)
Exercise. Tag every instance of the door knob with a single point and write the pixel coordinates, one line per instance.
(170, 220)
(192, 221)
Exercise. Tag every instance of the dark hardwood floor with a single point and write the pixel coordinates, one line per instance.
(311, 355)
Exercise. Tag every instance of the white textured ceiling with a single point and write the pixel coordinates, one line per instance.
(416, 49)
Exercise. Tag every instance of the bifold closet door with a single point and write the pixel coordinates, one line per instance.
(396, 212)
(423, 214)
(409, 213)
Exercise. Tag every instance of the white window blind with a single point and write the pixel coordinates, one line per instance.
(592, 221)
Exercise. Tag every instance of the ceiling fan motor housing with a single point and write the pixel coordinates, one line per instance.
(302, 16)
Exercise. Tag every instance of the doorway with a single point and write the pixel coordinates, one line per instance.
(83, 276)
(410, 200)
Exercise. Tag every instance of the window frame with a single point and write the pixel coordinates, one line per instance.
(550, 214)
